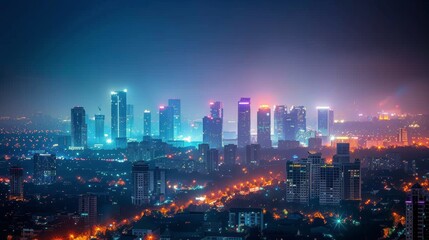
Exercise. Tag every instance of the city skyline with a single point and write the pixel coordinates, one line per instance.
(197, 119)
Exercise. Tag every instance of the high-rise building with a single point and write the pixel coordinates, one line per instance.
(130, 120)
(216, 109)
(417, 214)
(325, 122)
(403, 136)
(297, 182)
(314, 161)
(78, 128)
(203, 152)
(147, 123)
(243, 123)
(280, 115)
(264, 126)
(253, 154)
(157, 184)
(16, 183)
(330, 184)
(88, 209)
(177, 119)
(45, 169)
(230, 154)
(212, 160)
(212, 131)
(166, 123)
(119, 114)
(351, 185)
(298, 115)
(351, 181)
(99, 128)
(141, 183)
(289, 128)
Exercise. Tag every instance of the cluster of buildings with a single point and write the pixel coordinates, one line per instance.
(289, 124)
(314, 181)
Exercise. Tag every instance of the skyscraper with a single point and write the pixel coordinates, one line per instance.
(298, 115)
(78, 128)
(130, 120)
(314, 161)
(216, 109)
(297, 182)
(177, 119)
(119, 114)
(289, 128)
(45, 169)
(213, 126)
(16, 183)
(330, 184)
(147, 123)
(99, 128)
(203, 152)
(212, 160)
(88, 209)
(212, 131)
(280, 115)
(417, 213)
(230, 154)
(264, 126)
(141, 185)
(351, 181)
(243, 123)
(325, 122)
(351, 185)
(166, 123)
(253, 154)
(157, 184)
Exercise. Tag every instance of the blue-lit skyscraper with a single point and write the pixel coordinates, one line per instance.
(216, 109)
(119, 115)
(212, 131)
(243, 123)
(325, 121)
(177, 119)
(78, 128)
(213, 125)
(264, 126)
(99, 128)
(166, 123)
(130, 120)
(280, 115)
(147, 123)
(299, 120)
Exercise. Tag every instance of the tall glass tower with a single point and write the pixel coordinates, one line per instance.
(147, 123)
(243, 123)
(177, 119)
(78, 127)
(264, 126)
(119, 114)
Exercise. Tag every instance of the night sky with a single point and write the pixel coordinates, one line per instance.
(359, 57)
